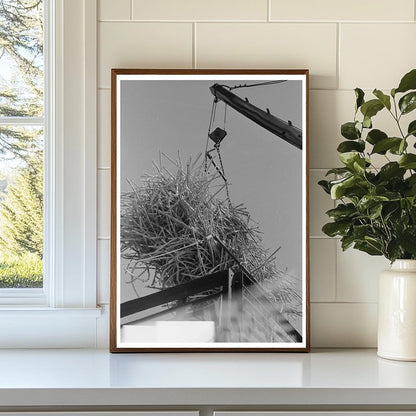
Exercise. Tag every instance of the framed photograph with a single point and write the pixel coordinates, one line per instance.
(209, 210)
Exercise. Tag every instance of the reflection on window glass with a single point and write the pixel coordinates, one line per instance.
(21, 143)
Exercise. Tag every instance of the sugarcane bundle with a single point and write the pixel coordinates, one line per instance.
(175, 227)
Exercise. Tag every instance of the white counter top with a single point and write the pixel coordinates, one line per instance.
(95, 377)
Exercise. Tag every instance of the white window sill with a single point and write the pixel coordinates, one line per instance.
(36, 312)
(40, 327)
(331, 379)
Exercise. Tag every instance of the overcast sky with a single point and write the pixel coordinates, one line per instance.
(265, 172)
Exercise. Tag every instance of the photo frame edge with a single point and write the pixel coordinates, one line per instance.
(113, 348)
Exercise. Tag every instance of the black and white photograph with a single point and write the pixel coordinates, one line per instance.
(209, 210)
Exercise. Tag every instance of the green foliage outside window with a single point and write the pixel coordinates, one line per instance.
(21, 146)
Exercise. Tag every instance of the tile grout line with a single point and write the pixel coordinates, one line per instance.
(319, 169)
(344, 303)
(308, 22)
(336, 271)
(194, 45)
(338, 241)
(269, 10)
(338, 63)
(310, 89)
(322, 237)
(131, 9)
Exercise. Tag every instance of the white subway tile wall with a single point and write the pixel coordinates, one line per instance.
(366, 48)
(323, 268)
(319, 203)
(357, 275)
(339, 11)
(104, 128)
(270, 45)
(104, 202)
(103, 270)
(114, 10)
(200, 10)
(145, 45)
(345, 44)
(343, 325)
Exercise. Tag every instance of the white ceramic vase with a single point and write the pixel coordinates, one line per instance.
(397, 312)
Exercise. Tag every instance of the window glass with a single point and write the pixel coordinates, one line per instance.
(21, 143)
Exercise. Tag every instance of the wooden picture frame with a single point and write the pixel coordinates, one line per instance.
(209, 211)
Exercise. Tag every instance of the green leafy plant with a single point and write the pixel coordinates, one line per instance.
(21, 271)
(376, 212)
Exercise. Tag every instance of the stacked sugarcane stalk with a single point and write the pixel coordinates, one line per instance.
(176, 226)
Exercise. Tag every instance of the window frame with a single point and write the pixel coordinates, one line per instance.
(34, 296)
(69, 291)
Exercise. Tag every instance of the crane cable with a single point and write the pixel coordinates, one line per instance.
(255, 85)
(216, 148)
(211, 121)
(220, 169)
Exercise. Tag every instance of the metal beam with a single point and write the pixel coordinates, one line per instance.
(174, 293)
(275, 125)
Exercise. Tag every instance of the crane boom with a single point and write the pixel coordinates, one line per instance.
(275, 125)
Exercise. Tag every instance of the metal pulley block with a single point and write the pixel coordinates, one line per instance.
(217, 135)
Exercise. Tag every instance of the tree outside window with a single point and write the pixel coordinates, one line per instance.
(21, 143)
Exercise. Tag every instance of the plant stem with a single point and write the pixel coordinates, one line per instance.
(397, 118)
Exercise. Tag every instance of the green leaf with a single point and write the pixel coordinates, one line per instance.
(354, 161)
(325, 186)
(392, 196)
(393, 250)
(361, 231)
(391, 212)
(351, 186)
(337, 191)
(375, 136)
(411, 186)
(375, 211)
(408, 161)
(349, 131)
(341, 179)
(359, 165)
(383, 145)
(411, 180)
(408, 82)
(374, 242)
(391, 170)
(369, 201)
(393, 92)
(399, 148)
(348, 158)
(367, 122)
(385, 99)
(407, 240)
(368, 248)
(371, 108)
(408, 102)
(412, 200)
(342, 211)
(346, 242)
(338, 188)
(336, 228)
(349, 146)
(359, 95)
(338, 171)
(402, 147)
(411, 130)
(413, 211)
